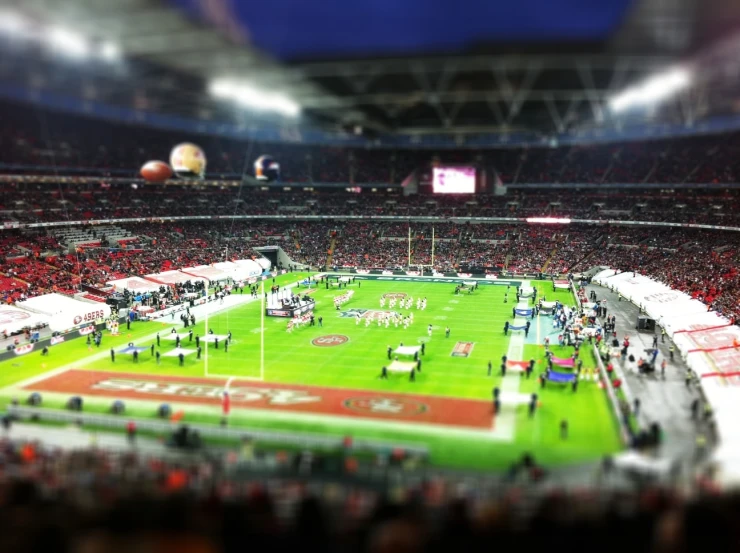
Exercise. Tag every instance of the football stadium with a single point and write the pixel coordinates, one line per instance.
(344, 275)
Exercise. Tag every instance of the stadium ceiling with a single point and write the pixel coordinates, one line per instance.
(540, 89)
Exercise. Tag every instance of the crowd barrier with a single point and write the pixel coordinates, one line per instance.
(120, 422)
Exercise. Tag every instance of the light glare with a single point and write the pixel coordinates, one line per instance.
(67, 42)
(110, 51)
(652, 91)
(252, 98)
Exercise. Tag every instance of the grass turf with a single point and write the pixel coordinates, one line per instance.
(290, 358)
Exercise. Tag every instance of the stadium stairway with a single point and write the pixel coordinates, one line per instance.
(583, 259)
(546, 264)
(332, 245)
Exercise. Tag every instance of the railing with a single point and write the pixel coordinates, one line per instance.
(119, 422)
(624, 431)
(380, 218)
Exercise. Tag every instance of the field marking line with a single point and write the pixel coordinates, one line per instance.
(505, 422)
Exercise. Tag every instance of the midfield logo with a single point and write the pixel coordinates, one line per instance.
(386, 406)
(372, 314)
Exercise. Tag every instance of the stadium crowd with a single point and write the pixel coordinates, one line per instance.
(94, 501)
(702, 263)
(31, 202)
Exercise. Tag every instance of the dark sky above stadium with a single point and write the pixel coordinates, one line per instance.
(316, 29)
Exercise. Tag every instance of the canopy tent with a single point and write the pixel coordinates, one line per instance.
(174, 277)
(707, 342)
(208, 272)
(134, 284)
(407, 350)
(264, 263)
(64, 312)
(236, 272)
(606, 273)
(251, 267)
(656, 299)
(13, 319)
(695, 321)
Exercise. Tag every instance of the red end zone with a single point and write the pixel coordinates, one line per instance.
(467, 413)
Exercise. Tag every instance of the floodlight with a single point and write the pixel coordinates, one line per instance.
(68, 42)
(13, 24)
(110, 51)
(252, 98)
(653, 90)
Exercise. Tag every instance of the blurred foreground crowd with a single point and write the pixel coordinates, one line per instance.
(93, 501)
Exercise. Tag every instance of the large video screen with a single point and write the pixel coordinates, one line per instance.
(453, 180)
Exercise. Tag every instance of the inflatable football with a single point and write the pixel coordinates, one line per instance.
(155, 171)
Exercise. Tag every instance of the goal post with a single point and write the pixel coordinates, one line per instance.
(261, 376)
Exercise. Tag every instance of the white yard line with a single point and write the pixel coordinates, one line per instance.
(504, 427)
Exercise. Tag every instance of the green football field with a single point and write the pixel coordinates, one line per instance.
(294, 359)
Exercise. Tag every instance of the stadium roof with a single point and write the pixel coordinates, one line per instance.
(482, 85)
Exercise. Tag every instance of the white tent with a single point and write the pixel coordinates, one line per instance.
(134, 284)
(237, 272)
(264, 263)
(208, 272)
(13, 319)
(252, 267)
(707, 342)
(174, 277)
(64, 312)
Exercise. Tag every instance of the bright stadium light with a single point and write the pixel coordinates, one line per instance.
(14, 24)
(110, 51)
(68, 43)
(252, 98)
(653, 91)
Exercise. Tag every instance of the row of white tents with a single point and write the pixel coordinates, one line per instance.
(238, 270)
(709, 344)
(63, 313)
(59, 312)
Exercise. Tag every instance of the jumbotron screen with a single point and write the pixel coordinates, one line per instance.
(453, 180)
